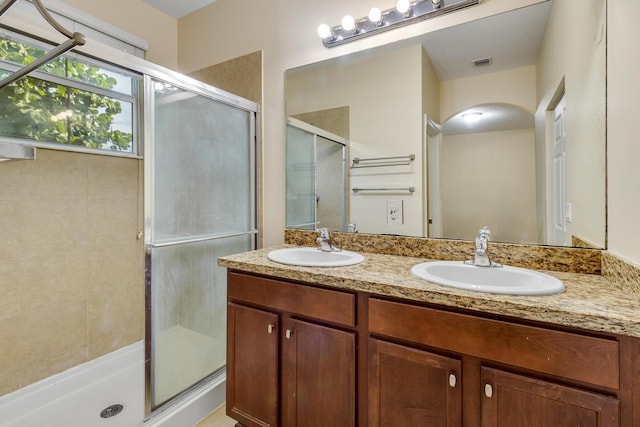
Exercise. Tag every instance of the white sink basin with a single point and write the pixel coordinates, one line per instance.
(314, 257)
(505, 280)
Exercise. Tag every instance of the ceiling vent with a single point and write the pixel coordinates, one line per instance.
(482, 62)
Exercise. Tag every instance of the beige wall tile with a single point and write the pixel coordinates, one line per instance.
(9, 381)
(9, 289)
(11, 178)
(112, 222)
(241, 76)
(51, 366)
(49, 334)
(50, 280)
(9, 355)
(113, 177)
(53, 226)
(55, 175)
(113, 267)
(115, 320)
(9, 229)
(52, 212)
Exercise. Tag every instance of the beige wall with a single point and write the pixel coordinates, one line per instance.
(133, 16)
(489, 179)
(623, 128)
(573, 57)
(137, 17)
(431, 97)
(71, 267)
(514, 87)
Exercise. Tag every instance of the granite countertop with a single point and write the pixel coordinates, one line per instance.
(589, 301)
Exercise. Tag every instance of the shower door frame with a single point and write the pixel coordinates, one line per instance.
(148, 106)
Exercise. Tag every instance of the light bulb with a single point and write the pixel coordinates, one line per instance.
(348, 23)
(324, 31)
(403, 6)
(375, 15)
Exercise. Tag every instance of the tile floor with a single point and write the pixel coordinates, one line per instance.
(217, 419)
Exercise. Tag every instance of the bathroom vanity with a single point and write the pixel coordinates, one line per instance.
(370, 345)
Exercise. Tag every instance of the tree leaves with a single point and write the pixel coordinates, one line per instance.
(40, 110)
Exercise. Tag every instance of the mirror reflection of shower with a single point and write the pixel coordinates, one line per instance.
(313, 153)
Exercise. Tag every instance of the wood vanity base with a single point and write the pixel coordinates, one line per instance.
(300, 354)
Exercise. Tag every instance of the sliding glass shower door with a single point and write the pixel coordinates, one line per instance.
(316, 178)
(201, 183)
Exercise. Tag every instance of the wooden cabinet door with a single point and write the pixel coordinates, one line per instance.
(515, 400)
(252, 366)
(411, 387)
(318, 376)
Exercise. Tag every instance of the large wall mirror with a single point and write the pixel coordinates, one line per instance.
(497, 122)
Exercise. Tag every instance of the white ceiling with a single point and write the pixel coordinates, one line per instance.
(511, 39)
(178, 8)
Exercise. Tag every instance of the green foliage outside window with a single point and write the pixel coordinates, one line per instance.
(41, 110)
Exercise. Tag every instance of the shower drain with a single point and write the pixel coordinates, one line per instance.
(111, 411)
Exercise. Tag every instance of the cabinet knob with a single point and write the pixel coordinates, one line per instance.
(271, 328)
(288, 333)
(488, 390)
(452, 380)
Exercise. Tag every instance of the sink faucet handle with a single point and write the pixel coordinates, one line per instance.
(324, 240)
(482, 240)
(485, 232)
(324, 233)
(481, 255)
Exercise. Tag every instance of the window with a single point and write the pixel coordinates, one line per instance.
(72, 100)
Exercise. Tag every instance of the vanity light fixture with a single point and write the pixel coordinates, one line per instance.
(405, 13)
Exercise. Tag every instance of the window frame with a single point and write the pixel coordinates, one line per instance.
(134, 99)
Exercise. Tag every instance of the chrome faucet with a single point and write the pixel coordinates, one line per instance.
(481, 255)
(324, 241)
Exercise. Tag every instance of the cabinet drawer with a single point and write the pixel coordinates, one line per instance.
(324, 304)
(573, 356)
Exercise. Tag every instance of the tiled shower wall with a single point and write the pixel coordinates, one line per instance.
(71, 262)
